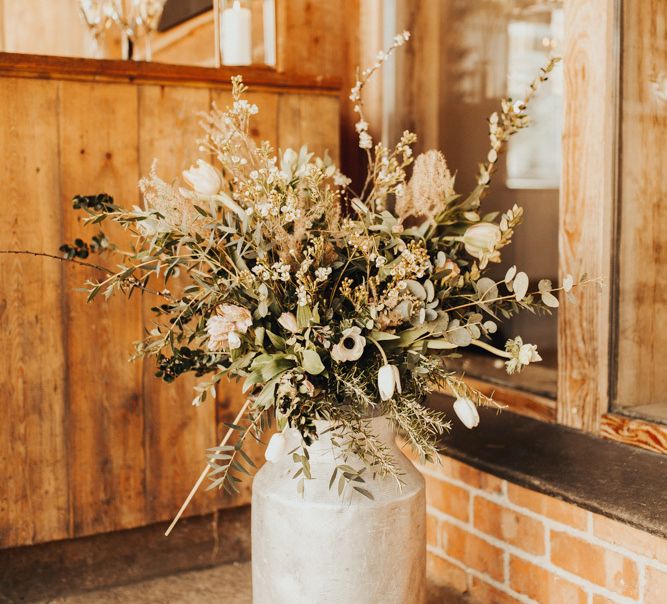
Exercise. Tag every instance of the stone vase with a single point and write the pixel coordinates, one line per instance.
(322, 548)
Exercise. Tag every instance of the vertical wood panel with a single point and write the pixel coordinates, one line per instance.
(33, 490)
(87, 452)
(642, 279)
(98, 131)
(309, 35)
(309, 119)
(587, 209)
(177, 434)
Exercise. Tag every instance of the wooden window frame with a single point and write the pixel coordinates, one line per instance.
(588, 237)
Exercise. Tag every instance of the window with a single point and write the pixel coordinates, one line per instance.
(487, 50)
(639, 380)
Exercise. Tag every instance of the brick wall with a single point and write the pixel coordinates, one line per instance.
(502, 543)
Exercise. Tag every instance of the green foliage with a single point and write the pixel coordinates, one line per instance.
(319, 315)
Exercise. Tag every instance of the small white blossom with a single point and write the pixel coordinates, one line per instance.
(361, 126)
(262, 272)
(303, 297)
(340, 180)
(322, 273)
(365, 141)
(281, 271)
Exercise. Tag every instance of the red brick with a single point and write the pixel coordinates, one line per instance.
(443, 572)
(632, 539)
(432, 530)
(455, 470)
(448, 498)
(598, 599)
(541, 585)
(480, 591)
(491, 483)
(507, 525)
(595, 564)
(656, 586)
(552, 508)
(472, 551)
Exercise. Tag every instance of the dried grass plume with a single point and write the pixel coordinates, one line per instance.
(429, 189)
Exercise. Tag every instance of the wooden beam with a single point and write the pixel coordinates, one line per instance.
(47, 67)
(587, 207)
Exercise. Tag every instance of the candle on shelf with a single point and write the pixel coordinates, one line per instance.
(269, 15)
(235, 35)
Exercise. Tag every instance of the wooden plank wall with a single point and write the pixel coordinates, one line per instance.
(88, 441)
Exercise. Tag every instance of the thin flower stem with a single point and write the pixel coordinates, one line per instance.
(81, 263)
(204, 473)
(382, 352)
(61, 258)
(493, 349)
(512, 296)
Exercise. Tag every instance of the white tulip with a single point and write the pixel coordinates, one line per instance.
(480, 241)
(204, 178)
(466, 411)
(397, 377)
(350, 347)
(387, 381)
(288, 321)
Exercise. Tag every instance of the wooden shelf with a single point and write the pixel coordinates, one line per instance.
(70, 68)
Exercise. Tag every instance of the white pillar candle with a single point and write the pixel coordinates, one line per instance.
(270, 32)
(235, 35)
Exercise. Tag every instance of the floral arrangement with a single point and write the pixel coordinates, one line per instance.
(322, 314)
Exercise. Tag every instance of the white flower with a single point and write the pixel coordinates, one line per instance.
(350, 347)
(281, 444)
(288, 321)
(480, 241)
(204, 179)
(397, 378)
(340, 180)
(361, 126)
(388, 381)
(234, 340)
(281, 271)
(528, 354)
(224, 329)
(466, 411)
(520, 355)
(302, 295)
(322, 273)
(365, 140)
(217, 329)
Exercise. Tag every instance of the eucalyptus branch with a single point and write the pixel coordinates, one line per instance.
(104, 269)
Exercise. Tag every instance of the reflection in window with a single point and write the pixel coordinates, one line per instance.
(486, 50)
(534, 155)
(640, 379)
